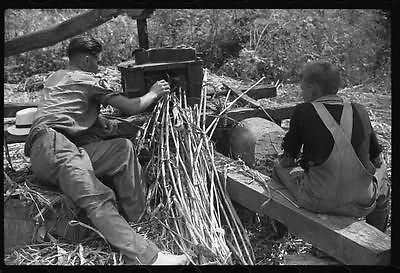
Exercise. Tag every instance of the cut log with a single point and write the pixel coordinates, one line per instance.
(346, 239)
(74, 26)
(253, 138)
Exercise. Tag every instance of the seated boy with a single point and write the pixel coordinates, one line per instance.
(341, 157)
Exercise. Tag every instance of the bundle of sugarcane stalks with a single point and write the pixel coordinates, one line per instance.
(186, 194)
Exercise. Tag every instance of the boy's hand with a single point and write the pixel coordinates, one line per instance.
(106, 124)
(287, 161)
(160, 88)
(377, 161)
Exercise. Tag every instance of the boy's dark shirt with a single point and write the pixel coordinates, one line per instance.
(307, 128)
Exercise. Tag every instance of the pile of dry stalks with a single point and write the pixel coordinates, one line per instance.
(88, 252)
(187, 195)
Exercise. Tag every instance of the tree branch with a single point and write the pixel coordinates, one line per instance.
(67, 29)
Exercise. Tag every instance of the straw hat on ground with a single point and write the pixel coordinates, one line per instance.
(23, 122)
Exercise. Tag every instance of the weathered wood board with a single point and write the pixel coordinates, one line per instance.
(346, 239)
(19, 229)
(278, 113)
(258, 92)
(308, 259)
(10, 109)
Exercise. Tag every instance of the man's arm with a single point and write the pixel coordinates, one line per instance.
(134, 106)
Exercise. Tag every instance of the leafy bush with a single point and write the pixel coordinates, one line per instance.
(245, 43)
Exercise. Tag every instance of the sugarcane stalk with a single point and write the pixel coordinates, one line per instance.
(236, 217)
(226, 216)
(181, 204)
(183, 178)
(186, 173)
(229, 206)
(172, 176)
(192, 230)
(194, 168)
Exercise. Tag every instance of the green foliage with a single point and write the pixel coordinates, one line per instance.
(119, 39)
(281, 41)
(244, 43)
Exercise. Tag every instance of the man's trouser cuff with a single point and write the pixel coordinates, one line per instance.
(147, 258)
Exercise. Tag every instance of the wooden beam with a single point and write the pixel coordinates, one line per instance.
(259, 92)
(10, 109)
(74, 26)
(347, 240)
(278, 113)
(11, 139)
(19, 229)
(246, 98)
(139, 13)
(262, 91)
(142, 33)
(308, 259)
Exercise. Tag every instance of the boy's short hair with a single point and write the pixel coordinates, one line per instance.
(323, 74)
(84, 44)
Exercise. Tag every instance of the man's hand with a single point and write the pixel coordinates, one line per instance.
(160, 88)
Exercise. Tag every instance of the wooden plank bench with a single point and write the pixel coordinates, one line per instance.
(308, 259)
(348, 240)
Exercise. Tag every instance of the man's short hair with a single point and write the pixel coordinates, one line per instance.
(85, 45)
(322, 74)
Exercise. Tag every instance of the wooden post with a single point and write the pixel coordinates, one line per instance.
(142, 33)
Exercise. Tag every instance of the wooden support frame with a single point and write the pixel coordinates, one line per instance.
(308, 259)
(142, 33)
(279, 113)
(258, 92)
(346, 239)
